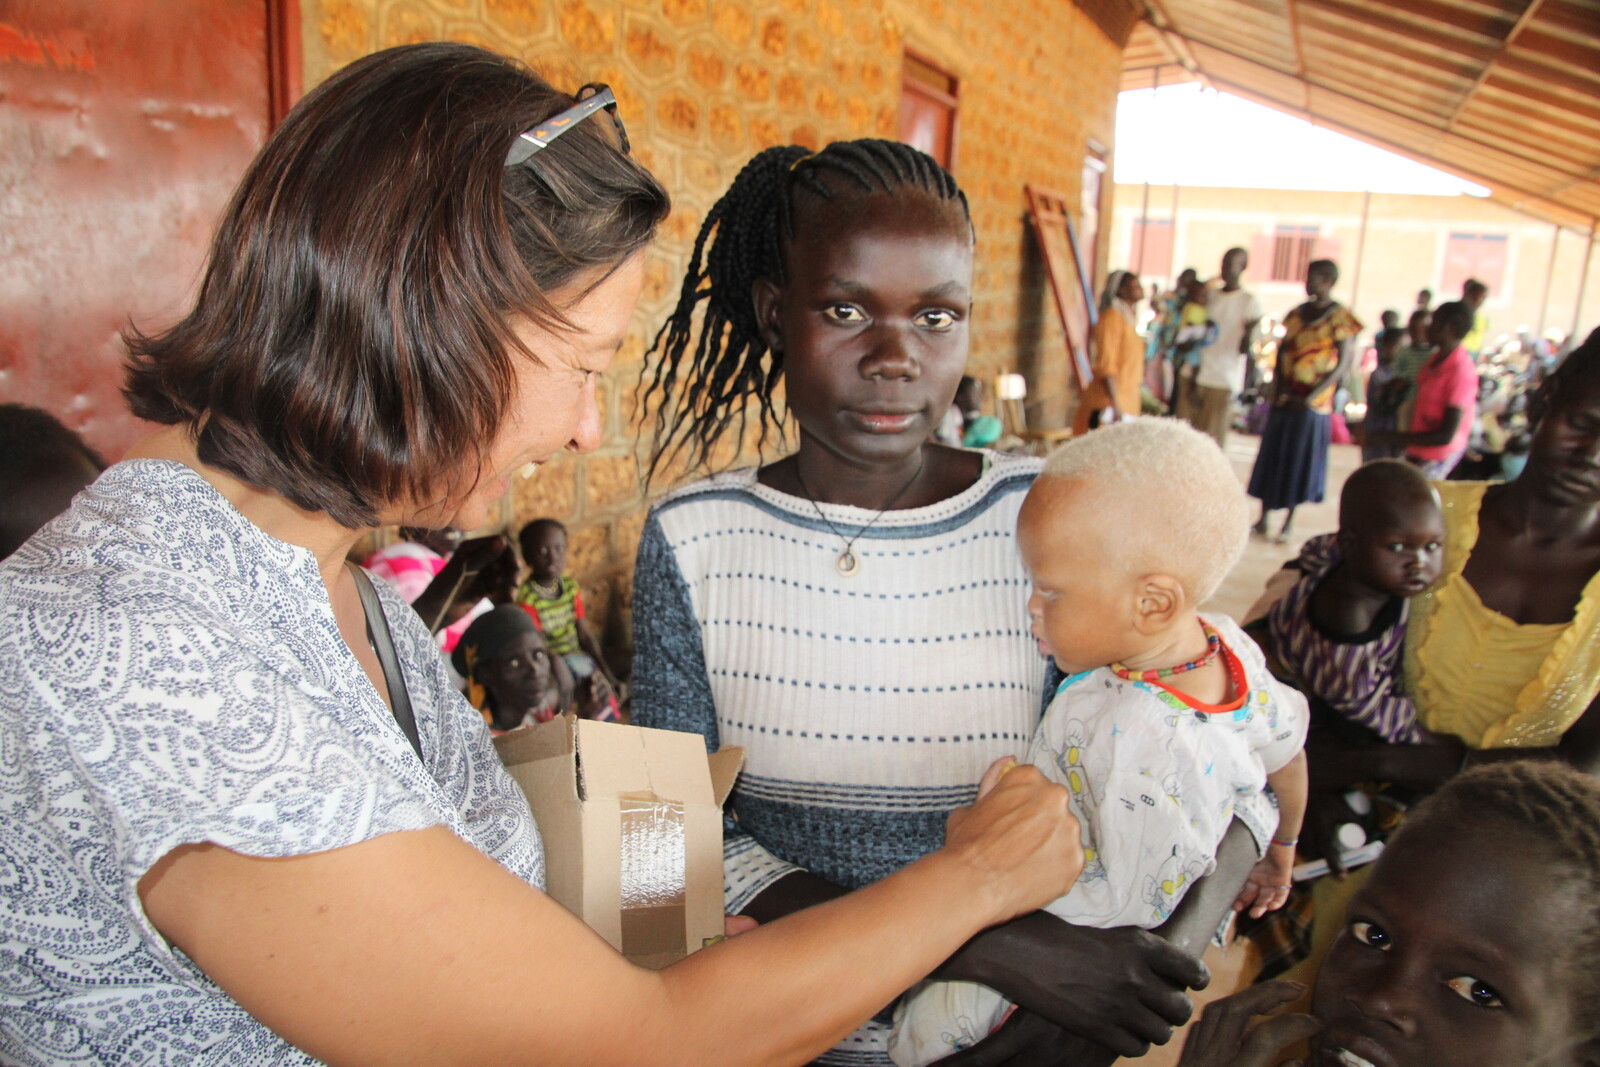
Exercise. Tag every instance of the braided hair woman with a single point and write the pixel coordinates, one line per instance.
(854, 614)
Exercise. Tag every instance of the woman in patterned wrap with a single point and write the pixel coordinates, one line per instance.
(1292, 466)
(222, 846)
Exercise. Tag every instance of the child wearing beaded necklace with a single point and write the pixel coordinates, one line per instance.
(1168, 724)
(553, 600)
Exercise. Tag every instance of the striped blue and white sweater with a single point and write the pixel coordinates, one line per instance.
(868, 706)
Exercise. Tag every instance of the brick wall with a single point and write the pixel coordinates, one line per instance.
(705, 84)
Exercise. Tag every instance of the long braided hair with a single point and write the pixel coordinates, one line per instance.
(743, 239)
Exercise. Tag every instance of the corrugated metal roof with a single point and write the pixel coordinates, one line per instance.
(1505, 93)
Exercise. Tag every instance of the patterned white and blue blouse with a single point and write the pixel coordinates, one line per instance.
(170, 674)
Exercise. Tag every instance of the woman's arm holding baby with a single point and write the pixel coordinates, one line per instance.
(1122, 989)
(1190, 928)
(1119, 989)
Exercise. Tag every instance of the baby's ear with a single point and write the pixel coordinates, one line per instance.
(1159, 600)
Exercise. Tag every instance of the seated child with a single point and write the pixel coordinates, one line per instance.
(512, 676)
(552, 599)
(1339, 632)
(1168, 725)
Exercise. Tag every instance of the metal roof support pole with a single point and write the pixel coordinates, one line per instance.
(1175, 228)
(1144, 208)
(1144, 230)
(1549, 277)
(1361, 249)
(1583, 281)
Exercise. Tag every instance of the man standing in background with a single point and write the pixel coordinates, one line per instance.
(1206, 402)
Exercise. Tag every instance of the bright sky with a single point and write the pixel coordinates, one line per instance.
(1198, 136)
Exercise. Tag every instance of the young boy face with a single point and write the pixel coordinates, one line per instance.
(544, 549)
(1454, 952)
(1397, 549)
(520, 673)
(1081, 604)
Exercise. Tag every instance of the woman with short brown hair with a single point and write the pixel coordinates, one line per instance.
(231, 847)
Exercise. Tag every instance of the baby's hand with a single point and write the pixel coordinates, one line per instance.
(1267, 888)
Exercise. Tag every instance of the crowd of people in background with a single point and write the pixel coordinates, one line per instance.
(1402, 628)
(1434, 387)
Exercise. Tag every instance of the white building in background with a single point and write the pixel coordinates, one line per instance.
(1410, 242)
(1223, 171)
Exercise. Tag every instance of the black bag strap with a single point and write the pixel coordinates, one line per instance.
(383, 645)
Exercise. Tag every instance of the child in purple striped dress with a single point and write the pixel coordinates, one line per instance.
(1339, 631)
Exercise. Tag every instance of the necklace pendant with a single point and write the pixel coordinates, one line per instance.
(847, 563)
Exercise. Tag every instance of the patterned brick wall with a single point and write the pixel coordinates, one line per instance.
(704, 84)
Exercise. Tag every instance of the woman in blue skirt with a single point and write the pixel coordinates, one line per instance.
(1292, 467)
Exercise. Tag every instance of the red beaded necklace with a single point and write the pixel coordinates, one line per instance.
(1213, 646)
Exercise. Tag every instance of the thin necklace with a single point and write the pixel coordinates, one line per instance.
(848, 563)
(1213, 646)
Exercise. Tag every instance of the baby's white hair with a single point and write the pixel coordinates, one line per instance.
(1169, 494)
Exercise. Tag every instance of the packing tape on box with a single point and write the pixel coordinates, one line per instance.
(654, 872)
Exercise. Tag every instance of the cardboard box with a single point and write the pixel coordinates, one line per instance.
(632, 826)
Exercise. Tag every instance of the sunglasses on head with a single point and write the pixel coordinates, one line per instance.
(599, 98)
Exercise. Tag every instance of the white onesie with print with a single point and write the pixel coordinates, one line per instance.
(1155, 781)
